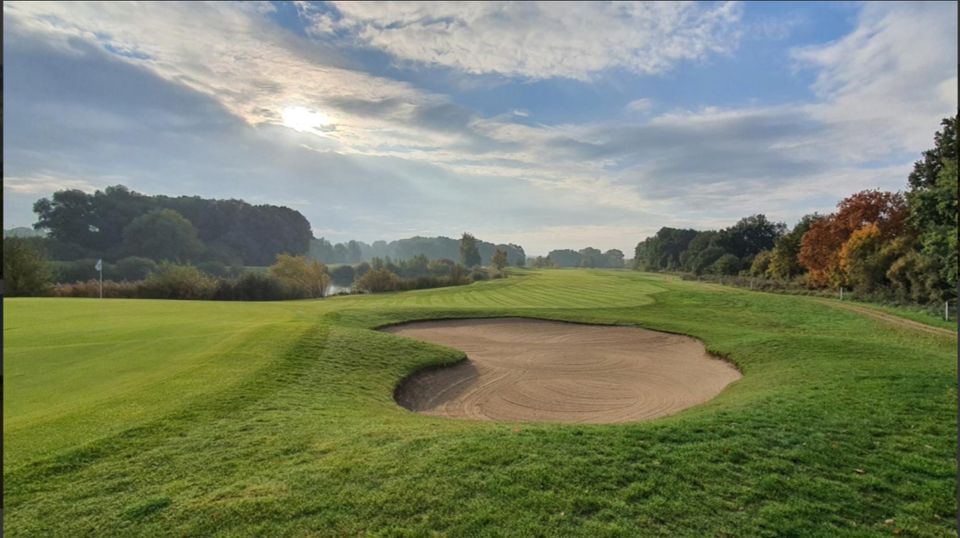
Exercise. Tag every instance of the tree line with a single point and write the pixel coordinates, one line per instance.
(585, 257)
(434, 248)
(28, 272)
(117, 222)
(881, 244)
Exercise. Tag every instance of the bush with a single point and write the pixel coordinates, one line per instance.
(479, 274)
(728, 264)
(361, 270)
(459, 275)
(377, 281)
(253, 287)
(79, 270)
(441, 267)
(171, 281)
(134, 268)
(342, 275)
(304, 278)
(215, 268)
(91, 288)
(25, 269)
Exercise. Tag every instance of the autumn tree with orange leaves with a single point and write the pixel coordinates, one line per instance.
(821, 246)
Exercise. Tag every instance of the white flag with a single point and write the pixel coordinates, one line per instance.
(99, 265)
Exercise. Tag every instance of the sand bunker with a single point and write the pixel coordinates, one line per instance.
(531, 370)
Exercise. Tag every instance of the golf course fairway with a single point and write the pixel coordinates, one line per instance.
(188, 418)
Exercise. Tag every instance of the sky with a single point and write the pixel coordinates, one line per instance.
(550, 125)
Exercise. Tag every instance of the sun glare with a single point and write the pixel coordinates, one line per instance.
(304, 120)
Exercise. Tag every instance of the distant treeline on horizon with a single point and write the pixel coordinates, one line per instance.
(117, 224)
(434, 248)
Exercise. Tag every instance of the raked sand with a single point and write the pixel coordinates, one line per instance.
(531, 370)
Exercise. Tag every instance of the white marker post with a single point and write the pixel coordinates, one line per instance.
(99, 267)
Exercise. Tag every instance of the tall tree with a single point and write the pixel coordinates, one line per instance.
(932, 200)
(469, 254)
(613, 258)
(162, 234)
(820, 246)
(499, 260)
(750, 236)
(662, 251)
(783, 264)
(25, 270)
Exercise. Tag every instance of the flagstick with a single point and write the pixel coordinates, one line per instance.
(101, 280)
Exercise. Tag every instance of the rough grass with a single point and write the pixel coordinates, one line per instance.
(154, 418)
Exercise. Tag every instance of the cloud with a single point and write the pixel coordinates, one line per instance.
(885, 86)
(535, 40)
(180, 99)
(640, 105)
(46, 183)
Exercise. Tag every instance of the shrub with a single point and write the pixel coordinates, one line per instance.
(441, 267)
(306, 278)
(728, 264)
(377, 281)
(761, 264)
(25, 270)
(342, 275)
(479, 274)
(91, 288)
(79, 270)
(134, 268)
(459, 275)
(253, 287)
(361, 270)
(171, 281)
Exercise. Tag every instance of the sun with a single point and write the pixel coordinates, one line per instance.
(305, 120)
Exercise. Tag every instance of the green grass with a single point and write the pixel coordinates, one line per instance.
(153, 418)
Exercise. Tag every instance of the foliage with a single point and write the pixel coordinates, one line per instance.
(478, 274)
(377, 281)
(761, 264)
(932, 200)
(728, 264)
(863, 259)
(434, 248)
(25, 270)
(162, 234)
(134, 268)
(613, 259)
(542, 262)
(252, 286)
(749, 236)
(469, 253)
(305, 278)
(783, 259)
(80, 270)
(216, 269)
(91, 289)
(499, 260)
(564, 258)
(662, 251)
(172, 281)
(342, 275)
(230, 229)
(820, 246)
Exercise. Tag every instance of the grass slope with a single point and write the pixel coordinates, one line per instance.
(153, 418)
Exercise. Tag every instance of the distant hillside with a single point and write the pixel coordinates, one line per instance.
(433, 248)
